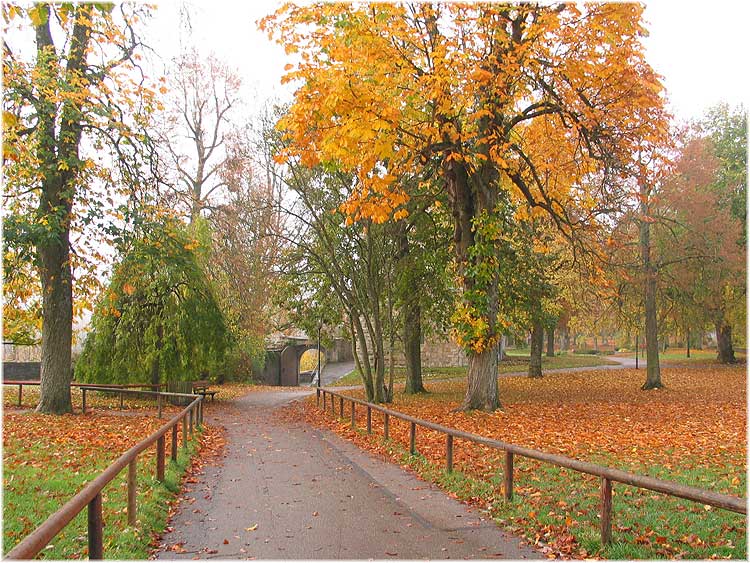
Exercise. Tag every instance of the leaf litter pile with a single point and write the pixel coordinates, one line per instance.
(692, 432)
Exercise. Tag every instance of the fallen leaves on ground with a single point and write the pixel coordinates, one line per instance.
(692, 428)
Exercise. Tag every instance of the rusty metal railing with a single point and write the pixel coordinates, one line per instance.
(607, 475)
(91, 495)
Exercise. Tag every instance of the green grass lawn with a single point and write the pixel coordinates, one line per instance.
(38, 480)
(679, 356)
(517, 362)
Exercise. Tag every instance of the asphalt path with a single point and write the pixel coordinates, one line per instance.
(284, 490)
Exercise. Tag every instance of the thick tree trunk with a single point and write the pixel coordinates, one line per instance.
(413, 346)
(58, 143)
(551, 342)
(481, 392)
(537, 346)
(57, 327)
(653, 374)
(725, 351)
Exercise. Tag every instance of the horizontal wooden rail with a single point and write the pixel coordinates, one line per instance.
(90, 495)
(608, 475)
(77, 384)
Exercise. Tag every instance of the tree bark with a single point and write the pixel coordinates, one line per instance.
(537, 345)
(653, 374)
(725, 350)
(481, 392)
(469, 202)
(551, 342)
(57, 323)
(413, 346)
(58, 144)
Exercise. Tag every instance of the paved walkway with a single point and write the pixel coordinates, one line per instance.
(287, 491)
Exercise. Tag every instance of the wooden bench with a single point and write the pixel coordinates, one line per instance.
(202, 388)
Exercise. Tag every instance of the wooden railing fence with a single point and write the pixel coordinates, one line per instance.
(91, 495)
(607, 475)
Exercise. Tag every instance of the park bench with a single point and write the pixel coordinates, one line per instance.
(202, 388)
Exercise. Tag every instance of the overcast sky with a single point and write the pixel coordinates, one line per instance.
(700, 48)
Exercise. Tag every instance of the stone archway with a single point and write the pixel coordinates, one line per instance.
(289, 363)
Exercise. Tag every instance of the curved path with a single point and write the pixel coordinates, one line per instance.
(288, 491)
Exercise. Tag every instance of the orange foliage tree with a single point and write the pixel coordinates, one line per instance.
(512, 103)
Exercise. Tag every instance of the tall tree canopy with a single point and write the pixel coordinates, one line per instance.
(540, 104)
(72, 106)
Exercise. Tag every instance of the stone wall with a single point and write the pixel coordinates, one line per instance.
(437, 351)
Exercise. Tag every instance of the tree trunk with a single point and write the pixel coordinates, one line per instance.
(58, 143)
(551, 342)
(481, 392)
(363, 367)
(687, 341)
(725, 351)
(469, 202)
(57, 327)
(566, 338)
(653, 374)
(501, 348)
(413, 346)
(537, 345)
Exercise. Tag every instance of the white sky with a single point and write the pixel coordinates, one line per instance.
(699, 48)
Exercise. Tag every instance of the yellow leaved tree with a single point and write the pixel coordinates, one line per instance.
(543, 105)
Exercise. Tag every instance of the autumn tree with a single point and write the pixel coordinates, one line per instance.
(509, 102)
(704, 236)
(72, 105)
(197, 130)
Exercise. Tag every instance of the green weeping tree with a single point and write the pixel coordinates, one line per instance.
(158, 320)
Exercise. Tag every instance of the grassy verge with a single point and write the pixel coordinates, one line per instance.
(515, 363)
(39, 477)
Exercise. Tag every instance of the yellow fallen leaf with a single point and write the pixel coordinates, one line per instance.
(252, 528)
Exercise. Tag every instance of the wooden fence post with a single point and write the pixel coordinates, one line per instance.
(160, 458)
(20, 393)
(449, 453)
(190, 423)
(132, 491)
(184, 432)
(95, 524)
(412, 438)
(317, 397)
(83, 401)
(354, 423)
(174, 443)
(369, 420)
(508, 476)
(341, 407)
(606, 508)
(158, 403)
